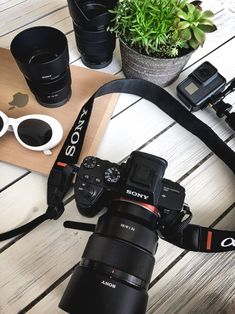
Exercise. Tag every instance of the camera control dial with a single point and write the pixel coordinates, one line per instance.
(89, 162)
(112, 175)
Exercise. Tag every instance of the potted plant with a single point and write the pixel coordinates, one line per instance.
(157, 37)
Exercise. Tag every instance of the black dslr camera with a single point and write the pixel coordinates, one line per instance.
(141, 179)
(204, 87)
(116, 267)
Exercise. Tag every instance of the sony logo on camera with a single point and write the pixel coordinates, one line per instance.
(108, 284)
(137, 194)
(74, 139)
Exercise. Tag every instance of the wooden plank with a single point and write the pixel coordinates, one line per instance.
(199, 283)
(27, 12)
(9, 174)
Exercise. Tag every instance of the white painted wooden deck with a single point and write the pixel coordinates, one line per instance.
(35, 268)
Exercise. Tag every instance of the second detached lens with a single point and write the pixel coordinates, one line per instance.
(91, 20)
(42, 55)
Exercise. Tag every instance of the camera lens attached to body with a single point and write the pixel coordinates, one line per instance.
(91, 20)
(117, 263)
(42, 56)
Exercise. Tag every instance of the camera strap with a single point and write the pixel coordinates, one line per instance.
(192, 237)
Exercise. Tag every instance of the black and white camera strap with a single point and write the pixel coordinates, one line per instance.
(191, 237)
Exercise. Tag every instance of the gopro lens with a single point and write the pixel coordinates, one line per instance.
(205, 72)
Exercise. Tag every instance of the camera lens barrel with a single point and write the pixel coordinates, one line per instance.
(116, 265)
(41, 54)
(52, 92)
(94, 42)
(96, 46)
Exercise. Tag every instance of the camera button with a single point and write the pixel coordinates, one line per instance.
(87, 190)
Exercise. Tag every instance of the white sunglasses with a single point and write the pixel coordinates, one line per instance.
(36, 131)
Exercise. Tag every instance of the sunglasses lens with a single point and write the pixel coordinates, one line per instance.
(1, 124)
(34, 132)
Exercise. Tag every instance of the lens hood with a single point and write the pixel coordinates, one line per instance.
(90, 21)
(41, 53)
(91, 13)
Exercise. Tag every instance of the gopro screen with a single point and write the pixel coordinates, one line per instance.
(191, 88)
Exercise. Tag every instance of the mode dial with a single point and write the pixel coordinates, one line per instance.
(112, 175)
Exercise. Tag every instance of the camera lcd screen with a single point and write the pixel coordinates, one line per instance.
(191, 88)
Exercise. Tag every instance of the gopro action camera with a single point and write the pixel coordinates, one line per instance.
(204, 82)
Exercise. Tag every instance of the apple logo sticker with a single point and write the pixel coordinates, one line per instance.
(19, 100)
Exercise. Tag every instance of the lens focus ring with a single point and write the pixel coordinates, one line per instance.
(115, 273)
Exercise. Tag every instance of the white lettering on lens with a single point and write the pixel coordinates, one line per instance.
(108, 284)
(46, 76)
(228, 242)
(127, 227)
(71, 149)
(136, 194)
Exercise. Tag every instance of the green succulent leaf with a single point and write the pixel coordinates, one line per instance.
(181, 14)
(207, 14)
(196, 3)
(199, 35)
(205, 21)
(197, 15)
(193, 43)
(191, 8)
(185, 34)
(208, 28)
(183, 25)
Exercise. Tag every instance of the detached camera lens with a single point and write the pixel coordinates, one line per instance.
(42, 56)
(94, 42)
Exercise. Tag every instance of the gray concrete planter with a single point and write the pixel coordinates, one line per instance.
(157, 70)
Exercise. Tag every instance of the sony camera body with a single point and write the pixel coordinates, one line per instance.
(204, 82)
(98, 182)
(115, 270)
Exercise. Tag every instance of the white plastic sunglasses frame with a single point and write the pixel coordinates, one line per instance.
(11, 124)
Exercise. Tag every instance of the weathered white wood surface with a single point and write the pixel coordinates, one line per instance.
(34, 270)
